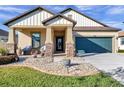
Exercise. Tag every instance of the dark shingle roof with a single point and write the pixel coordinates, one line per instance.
(3, 33)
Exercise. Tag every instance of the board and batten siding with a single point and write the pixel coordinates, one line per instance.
(33, 19)
(80, 19)
(59, 21)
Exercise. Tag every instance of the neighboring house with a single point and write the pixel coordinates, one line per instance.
(121, 40)
(66, 32)
(3, 36)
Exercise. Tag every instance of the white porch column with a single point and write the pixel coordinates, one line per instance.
(69, 35)
(11, 37)
(49, 42)
(11, 46)
(49, 35)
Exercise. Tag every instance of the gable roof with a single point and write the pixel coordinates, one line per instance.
(26, 13)
(59, 15)
(69, 9)
(3, 33)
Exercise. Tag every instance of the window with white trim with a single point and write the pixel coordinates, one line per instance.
(122, 41)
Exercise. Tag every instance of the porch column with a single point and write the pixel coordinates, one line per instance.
(49, 42)
(11, 41)
(70, 49)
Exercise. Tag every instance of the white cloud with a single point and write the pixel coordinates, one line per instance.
(116, 24)
(12, 9)
(85, 7)
(115, 10)
(5, 16)
(56, 8)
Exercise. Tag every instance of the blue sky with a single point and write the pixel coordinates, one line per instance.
(108, 14)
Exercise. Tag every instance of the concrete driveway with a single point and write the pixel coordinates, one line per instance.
(110, 63)
(105, 61)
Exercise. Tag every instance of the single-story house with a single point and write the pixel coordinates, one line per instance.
(66, 32)
(3, 36)
(121, 40)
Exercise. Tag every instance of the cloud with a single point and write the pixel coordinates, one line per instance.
(85, 7)
(56, 8)
(116, 24)
(5, 16)
(115, 10)
(12, 9)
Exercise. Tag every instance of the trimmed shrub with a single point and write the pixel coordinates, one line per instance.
(3, 51)
(8, 59)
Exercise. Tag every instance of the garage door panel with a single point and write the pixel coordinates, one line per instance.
(94, 44)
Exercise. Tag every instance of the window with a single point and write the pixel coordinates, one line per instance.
(36, 40)
(122, 41)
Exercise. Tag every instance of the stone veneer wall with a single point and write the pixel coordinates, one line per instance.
(70, 50)
(49, 50)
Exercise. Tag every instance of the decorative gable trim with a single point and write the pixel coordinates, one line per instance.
(58, 16)
(27, 13)
(69, 9)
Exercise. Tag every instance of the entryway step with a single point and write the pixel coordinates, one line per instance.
(60, 54)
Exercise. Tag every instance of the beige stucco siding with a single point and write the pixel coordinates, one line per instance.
(114, 36)
(24, 37)
(80, 19)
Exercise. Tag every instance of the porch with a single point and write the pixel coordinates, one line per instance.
(57, 39)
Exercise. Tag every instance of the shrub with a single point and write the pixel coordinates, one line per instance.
(3, 51)
(7, 59)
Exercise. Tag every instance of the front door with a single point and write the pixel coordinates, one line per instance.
(59, 43)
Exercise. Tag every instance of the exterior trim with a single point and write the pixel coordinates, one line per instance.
(69, 9)
(59, 15)
(95, 28)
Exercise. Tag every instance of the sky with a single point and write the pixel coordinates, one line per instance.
(107, 14)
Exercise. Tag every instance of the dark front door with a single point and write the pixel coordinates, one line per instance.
(59, 43)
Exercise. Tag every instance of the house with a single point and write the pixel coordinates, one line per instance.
(3, 36)
(66, 32)
(121, 40)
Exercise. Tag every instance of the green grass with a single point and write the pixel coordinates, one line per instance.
(27, 77)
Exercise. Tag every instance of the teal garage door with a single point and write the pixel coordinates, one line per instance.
(94, 44)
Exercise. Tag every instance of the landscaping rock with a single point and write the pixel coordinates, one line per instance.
(47, 65)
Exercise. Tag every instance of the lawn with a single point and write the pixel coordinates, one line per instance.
(27, 77)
